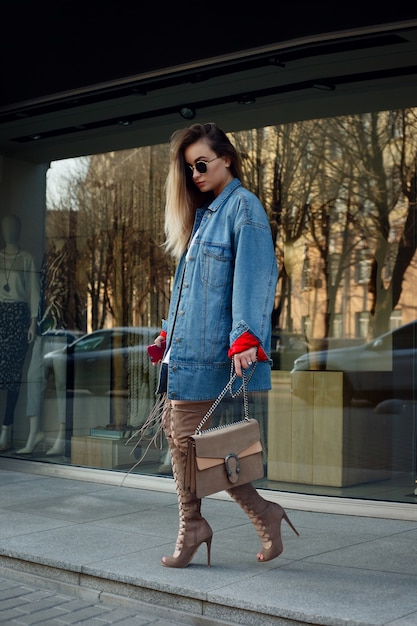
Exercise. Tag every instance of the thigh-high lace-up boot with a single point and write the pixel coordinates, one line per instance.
(265, 516)
(180, 421)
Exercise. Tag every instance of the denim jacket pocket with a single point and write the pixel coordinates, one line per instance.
(216, 265)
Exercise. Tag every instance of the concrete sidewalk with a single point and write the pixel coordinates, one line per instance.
(26, 599)
(108, 540)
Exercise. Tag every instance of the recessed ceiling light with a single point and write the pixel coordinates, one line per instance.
(246, 99)
(188, 113)
(324, 86)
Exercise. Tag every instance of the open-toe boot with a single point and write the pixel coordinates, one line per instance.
(265, 516)
(194, 530)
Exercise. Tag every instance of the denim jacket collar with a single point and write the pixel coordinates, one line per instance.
(222, 197)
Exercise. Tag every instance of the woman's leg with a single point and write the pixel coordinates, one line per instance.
(180, 419)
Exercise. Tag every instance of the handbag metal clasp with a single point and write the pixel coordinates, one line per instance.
(232, 464)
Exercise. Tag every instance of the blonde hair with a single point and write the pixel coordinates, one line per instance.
(182, 196)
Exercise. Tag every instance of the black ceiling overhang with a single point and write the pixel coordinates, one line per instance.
(53, 48)
(279, 57)
(328, 83)
(82, 107)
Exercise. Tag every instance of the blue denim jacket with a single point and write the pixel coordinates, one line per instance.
(224, 286)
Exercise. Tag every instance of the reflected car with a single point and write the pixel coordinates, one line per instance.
(62, 335)
(381, 369)
(100, 362)
(285, 348)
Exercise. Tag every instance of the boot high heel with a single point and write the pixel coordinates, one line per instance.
(268, 526)
(191, 535)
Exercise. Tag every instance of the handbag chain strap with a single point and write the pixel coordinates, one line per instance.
(229, 387)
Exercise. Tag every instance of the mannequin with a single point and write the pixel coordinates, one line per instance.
(34, 392)
(50, 318)
(19, 301)
(36, 386)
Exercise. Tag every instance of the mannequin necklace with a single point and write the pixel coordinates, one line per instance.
(7, 272)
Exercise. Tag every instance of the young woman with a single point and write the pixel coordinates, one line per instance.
(221, 306)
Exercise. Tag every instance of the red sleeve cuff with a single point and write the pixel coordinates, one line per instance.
(244, 342)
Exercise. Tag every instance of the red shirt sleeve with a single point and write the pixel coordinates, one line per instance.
(244, 342)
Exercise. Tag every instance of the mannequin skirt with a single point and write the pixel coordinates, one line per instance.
(14, 326)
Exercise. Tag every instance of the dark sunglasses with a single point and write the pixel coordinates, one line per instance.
(201, 166)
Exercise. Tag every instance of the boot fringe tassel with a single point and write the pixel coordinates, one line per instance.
(150, 432)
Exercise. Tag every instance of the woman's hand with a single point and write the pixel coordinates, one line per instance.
(157, 349)
(243, 360)
(159, 341)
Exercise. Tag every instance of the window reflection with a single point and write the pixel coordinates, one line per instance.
(340, 197)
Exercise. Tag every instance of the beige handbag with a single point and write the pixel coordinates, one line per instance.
(226, 456)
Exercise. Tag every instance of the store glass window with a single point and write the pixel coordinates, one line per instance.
(340, 195)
